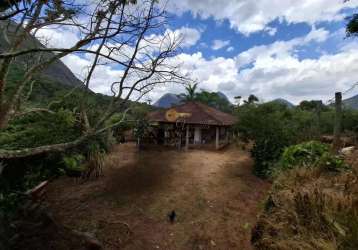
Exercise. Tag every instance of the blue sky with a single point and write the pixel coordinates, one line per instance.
(220, 30)
(289, 49)
(285, 32)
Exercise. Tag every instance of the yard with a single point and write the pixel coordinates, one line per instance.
(214, 193)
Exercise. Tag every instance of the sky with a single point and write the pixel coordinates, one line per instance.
(296, 50)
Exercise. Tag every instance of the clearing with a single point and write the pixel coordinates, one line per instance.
(214, 193)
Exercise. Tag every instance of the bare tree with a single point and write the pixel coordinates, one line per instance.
(119, 33)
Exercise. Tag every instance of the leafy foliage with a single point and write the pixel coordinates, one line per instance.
(215, 100)
(74, 162)
(352, 25)
(251, 99)
(266, 125)
(332, 163)
(304, 154)
(212, 99)
(20, 175)
(272, 127)
(190, 92)
(60, 124)
(310, 154)
(38, 129)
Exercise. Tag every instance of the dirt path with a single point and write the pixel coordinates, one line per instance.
(214, 194)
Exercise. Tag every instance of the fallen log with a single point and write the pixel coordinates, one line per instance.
(38, 192)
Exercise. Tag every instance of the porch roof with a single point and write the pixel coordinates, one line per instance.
(199, 114)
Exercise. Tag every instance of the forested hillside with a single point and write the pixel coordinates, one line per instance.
(351, 102)
(55, 72)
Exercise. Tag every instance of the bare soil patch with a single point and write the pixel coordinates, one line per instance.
(214, 193)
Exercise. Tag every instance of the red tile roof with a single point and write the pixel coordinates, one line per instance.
(200, 114)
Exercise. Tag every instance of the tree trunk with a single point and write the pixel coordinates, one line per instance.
(337, 122)
(8, 154)
(4, 117)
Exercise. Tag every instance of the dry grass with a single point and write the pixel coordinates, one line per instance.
(310, 209)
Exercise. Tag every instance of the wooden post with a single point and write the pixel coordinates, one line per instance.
(320, 104)
(187, 138)
(217, 141)
(337, 122)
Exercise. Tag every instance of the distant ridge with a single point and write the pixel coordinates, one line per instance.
(222, 95)
(57, 71)
(351, 102)
(168, 100)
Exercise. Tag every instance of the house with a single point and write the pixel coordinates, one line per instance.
(191, 124)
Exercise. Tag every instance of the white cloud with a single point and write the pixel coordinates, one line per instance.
(271, 30)
(249, 16)
(272, 71)
(281, 48)
(190, 36)
(269, 71)
(229, 49)
(54, 37)
(219, 44)
(104, 75)
(316, 35)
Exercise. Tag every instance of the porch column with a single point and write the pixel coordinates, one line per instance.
(227, 135)
(187, 138)
(197, 135)
(217, 141)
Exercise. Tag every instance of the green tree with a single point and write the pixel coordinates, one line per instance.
(110, 20)
(251, 99)
(214, 100)
(190, 94)
(312, 105)
(267, 125)
(352, 25)
(238, 99)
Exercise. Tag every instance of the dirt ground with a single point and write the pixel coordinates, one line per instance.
(214, 193)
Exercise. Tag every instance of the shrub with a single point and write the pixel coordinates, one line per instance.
(332, 163)
(37, 129)
(95, 157)
(304, 154)
(267, 126)
(74, 162)
(311, 154)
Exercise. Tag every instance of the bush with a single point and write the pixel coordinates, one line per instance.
(74, 162)
(37, 129)
(266, 151)
(333, 163)
(310, 155)
(267, 126)
(304, 154)
(273, 127)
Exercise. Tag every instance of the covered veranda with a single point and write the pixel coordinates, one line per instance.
(191, 125)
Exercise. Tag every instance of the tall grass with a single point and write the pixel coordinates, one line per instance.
(310, 209)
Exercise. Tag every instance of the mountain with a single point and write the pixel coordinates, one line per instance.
(168, 100)
(223, 96)
(57, 71)
(284, 102)
(351, 102)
